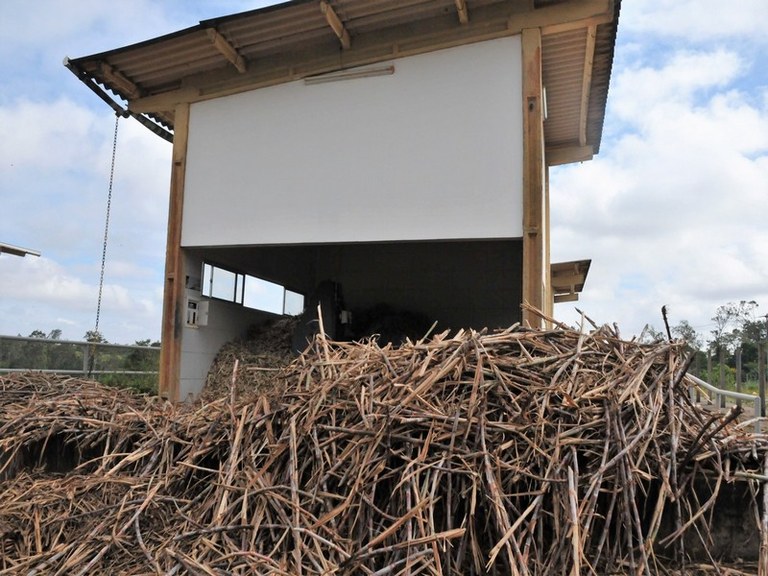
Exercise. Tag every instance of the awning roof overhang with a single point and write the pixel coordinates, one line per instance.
(302, 38)
(17, 251)
(568, 278)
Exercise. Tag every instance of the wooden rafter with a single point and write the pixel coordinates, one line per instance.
(336, 24)
(119, 80)
(558, 155)
(586, 83)
(381, 44)
(570, 297)
(227, 50)
(461, 8)
(569, 16)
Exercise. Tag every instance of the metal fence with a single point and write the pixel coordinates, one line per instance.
(123, 365)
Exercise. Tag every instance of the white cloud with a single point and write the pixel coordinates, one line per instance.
(639, 89)
(696, 20)
(39, 293)
(673, 210)
(55, 150)
(49, 135)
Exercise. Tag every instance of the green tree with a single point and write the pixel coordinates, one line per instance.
(684, 331)
(650, 335)
(94, 336)
(755, 329)
(730, 320)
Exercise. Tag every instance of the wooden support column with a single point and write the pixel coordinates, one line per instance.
(173, 295)
(762, 349)
(549, 291)
(535, 218)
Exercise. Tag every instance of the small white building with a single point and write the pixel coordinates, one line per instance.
(399, 149)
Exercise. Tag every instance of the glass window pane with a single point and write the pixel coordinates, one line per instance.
(207, 273)
(263, 295)
(239, 286)
(294, 303)
(223, 284)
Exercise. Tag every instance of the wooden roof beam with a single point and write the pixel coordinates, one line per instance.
(17, 250)
(571, 297)
(558, 155)
(586, 83)
(461, 8)
(227, 50)
(336, 24)
(565, 16)
(568, 279)
(119, 80)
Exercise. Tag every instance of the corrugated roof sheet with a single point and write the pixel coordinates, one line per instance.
(293, 40)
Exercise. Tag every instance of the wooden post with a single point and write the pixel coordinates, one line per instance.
(535, 272)
(762, 349)
(721, 383)
(173, 294)
(86, 359)
(549, 296)
(738, 374)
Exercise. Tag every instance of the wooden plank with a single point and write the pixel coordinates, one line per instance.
(163, 101)
(586, 84)
(571, 16)
(118, 79)
(336, 25)
(549, 289)
(461, 9)
(565, 16)
(535, 273)
(568, 154)
(227, 50)
(568, 280)
(173, 294)
(572, 297)
(762, 349)
(410, 39)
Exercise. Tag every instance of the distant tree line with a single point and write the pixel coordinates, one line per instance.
(737, 330)
(50, 353)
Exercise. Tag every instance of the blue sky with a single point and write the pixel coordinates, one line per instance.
(674, 209)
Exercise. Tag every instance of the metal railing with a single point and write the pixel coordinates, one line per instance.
(720, 395)
(77, 358)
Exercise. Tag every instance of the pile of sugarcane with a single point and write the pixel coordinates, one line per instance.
(262, 353)
(512, 452)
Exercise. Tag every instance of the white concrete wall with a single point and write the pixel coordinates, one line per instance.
(433, 151)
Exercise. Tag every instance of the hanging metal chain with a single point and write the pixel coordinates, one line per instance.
(104, 246)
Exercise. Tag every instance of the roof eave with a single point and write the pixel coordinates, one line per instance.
(170, 79)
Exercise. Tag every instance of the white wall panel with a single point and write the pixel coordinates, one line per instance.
(199, 346)
(433, 151)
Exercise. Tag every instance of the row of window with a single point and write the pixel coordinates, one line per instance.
(250, 291)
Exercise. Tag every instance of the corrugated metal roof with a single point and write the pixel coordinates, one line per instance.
(295, 39)
(568, 279)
